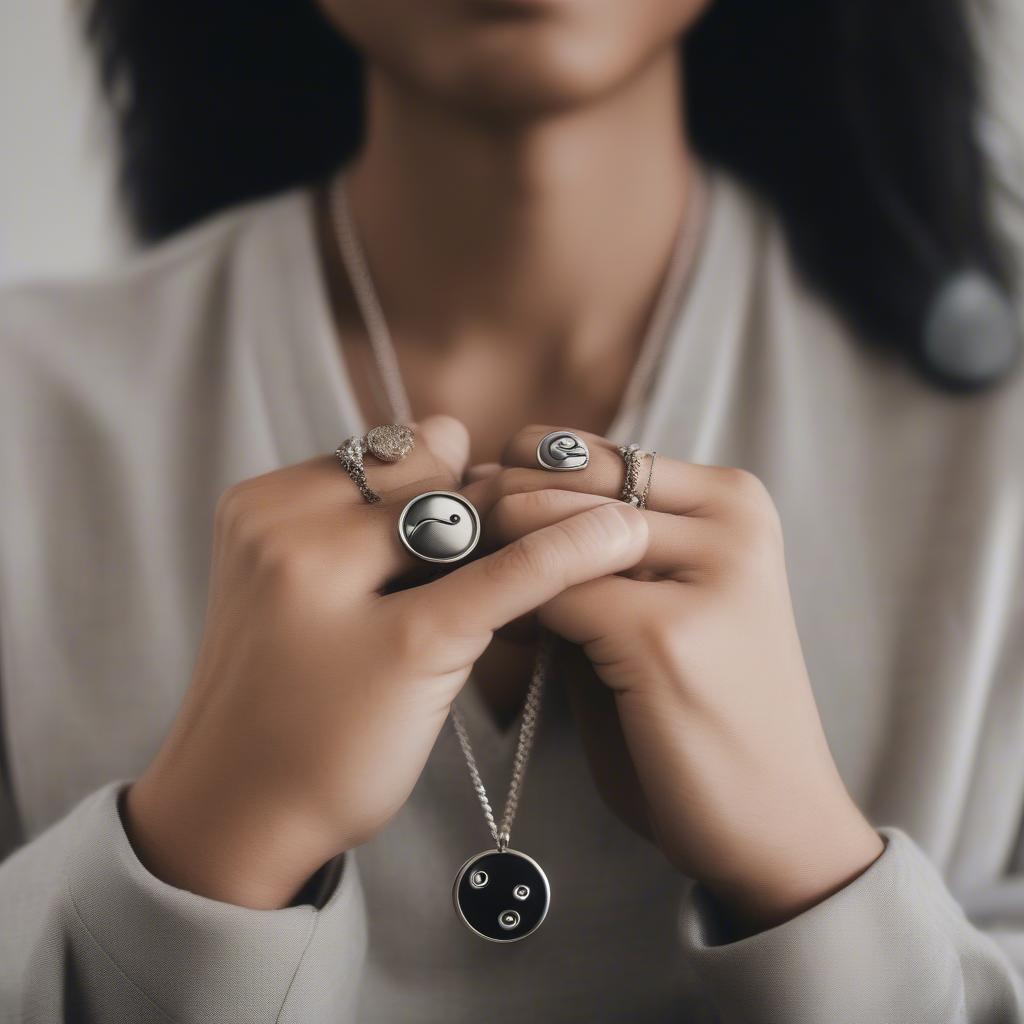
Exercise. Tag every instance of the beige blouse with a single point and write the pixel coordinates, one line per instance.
(130, 401)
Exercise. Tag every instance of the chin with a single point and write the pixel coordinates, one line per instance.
(512, 56)
(528, 66)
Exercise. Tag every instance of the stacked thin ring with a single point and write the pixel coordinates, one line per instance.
(633, 457)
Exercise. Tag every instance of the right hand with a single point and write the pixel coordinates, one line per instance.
(317, 696)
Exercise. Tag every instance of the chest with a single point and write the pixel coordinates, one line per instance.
(904, 575)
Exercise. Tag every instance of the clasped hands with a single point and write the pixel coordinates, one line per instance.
(705, 733)
(321, 683)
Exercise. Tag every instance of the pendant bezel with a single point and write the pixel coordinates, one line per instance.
(546, 889)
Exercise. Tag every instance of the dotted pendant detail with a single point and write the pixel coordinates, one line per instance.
(502, 896)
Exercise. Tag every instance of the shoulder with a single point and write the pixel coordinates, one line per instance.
(119, 322)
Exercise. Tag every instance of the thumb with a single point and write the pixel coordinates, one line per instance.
(448, 441)
(486, 594)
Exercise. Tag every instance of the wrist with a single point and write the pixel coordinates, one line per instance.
(789, 874)
(239, 850)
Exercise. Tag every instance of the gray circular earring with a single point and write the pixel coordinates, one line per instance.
(562, 451)
(439, 526)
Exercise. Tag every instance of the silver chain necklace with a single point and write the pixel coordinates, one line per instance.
(502, 894)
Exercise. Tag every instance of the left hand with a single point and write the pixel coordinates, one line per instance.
(698, 648)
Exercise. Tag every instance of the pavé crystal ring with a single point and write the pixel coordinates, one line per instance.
(390, 442)
(562, 450)
(439, 526)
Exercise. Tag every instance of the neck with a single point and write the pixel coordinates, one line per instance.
(552, 233)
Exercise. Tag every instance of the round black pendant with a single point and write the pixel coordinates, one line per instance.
(502, 896)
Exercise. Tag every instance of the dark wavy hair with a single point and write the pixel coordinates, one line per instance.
(855, 119)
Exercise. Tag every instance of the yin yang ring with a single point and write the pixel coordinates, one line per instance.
(439, 526)
(562, 451)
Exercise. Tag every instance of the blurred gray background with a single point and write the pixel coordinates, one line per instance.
(57, 210)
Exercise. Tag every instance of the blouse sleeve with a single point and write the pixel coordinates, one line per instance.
(893, 945)
(90, 935)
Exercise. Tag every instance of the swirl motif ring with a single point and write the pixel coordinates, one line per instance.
(439, 526)
(390, 442)
(562, 451)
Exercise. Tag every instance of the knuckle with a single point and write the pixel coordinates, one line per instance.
(239, 519)
(230, 505)
(761, 540)
(274, 556)
(663, 636)
(747, 491)
(752, 546)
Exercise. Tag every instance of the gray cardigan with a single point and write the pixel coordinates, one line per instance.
(128, 402)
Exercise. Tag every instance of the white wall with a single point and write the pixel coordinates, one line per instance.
(57, 211)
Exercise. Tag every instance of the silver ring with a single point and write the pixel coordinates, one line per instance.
(632, 457)
(439, 526)
(390, 442)
(562, 451)
(646, 493)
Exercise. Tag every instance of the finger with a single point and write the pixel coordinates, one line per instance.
(681, 488)
(447, 439)
(481, 471)
(676, 545)
(486, 594)
(374, 554)
(611, 764)
(437, 461)
(589, 611)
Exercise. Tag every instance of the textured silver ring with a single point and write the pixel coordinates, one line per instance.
(646, 493)
(632, 457)
(562, 451)
(439, 526)
(390, 442)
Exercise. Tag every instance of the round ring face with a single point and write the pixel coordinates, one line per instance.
(390, 442)
(439, 526)
(561, 450)
(511, 904)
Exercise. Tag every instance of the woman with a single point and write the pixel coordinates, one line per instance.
(734, 825)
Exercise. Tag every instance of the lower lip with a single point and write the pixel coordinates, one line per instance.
(513, 6)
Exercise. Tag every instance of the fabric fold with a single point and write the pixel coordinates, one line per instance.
(893, 944)
(197, 959)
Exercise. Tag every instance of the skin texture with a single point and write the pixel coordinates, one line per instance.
(517, 252)
(511, 59)
(500, 152)
(316, 700)
(697, 714)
